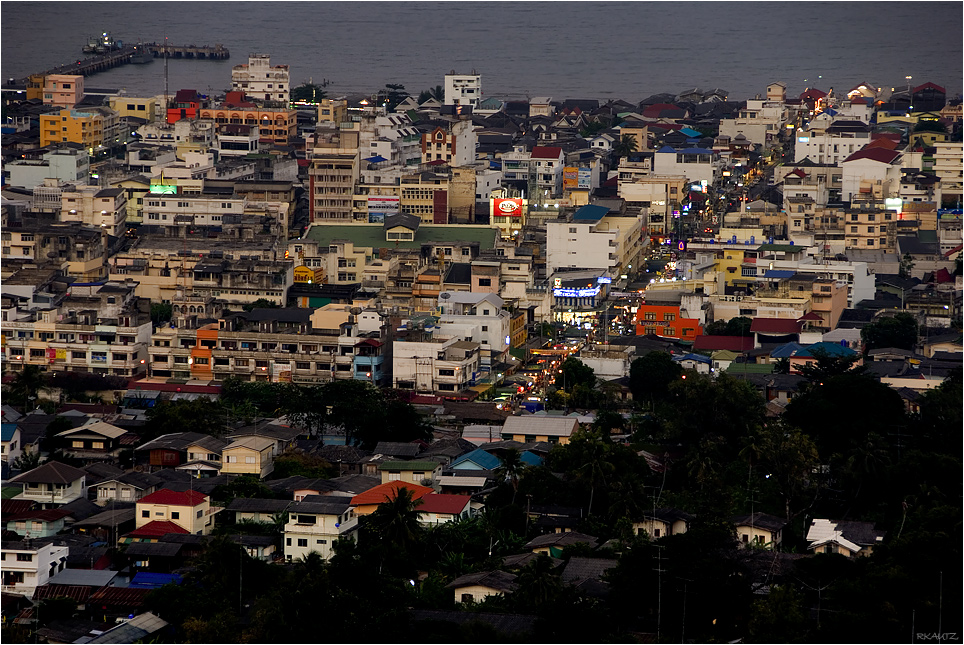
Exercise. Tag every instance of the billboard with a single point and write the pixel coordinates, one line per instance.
(570, 177)
(576, 293)
(585, 178)
(507, 207)
(380, 207)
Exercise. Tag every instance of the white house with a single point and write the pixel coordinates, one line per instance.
(697, 164)
(26, 567)
(477, 317)
(870, 172)
(435, 365)
(463, 89)
(52, 485)
(313, 526)
(760, 121)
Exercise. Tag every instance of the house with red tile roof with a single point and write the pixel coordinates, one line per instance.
(441, 508)
(366, 503)
(868, 172)
(168, 511)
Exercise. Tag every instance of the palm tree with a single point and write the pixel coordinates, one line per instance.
(596, 463)
(395, 521)
(626, 146)
(538, 582)
(26, 384)
(512, 466)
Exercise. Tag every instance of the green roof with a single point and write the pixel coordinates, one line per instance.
(409, 465)
(750, 368)
(11, 491)
(372, 236)
(781, 247)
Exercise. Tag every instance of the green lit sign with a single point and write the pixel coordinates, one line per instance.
(161, 189)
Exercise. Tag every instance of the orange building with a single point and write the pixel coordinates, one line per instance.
(666, 321)
(278, 124)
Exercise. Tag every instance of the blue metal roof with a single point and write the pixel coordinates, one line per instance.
(530, 458)
(786, 350)
(667, 149)
(699, 358)
(481, 458)
(696, 151)
(826, 347)
(690, 132)
(146, 580)
(778, 273)
(590, 212)
(8, 429)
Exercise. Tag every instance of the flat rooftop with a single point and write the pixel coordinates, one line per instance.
(373, 235)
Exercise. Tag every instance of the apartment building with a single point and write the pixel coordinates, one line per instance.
(132, 106)
(63, 90)
(68, 163)
(86, 127)
(546, 164)
(477, 317)
(332, 174)
(949, 166)
(696, 164)
(657, 195)
(426, 196)
(454, 145)
(463, 89)
(761, 122)
(871, 172)
(101, 328)
(259, 79)
(95, 206)
(427, 365)
(280, 125)
(187, 512)
(300, 345)
(79, 251)
(594, 239)
(827, 141)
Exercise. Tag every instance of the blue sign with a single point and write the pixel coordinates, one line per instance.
(604, 280)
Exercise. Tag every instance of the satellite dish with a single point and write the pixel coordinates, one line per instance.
(445, 295)
(355, 311)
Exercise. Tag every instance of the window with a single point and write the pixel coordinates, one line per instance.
(175, 515)
(573, 229)
(199, 514)
(288, 541)
(446, 372)
(485, 328)
(321, 541)
(306, 519)
(24, 557)
(485, 282)
(250, 460)
(145, 513)
(303, 542)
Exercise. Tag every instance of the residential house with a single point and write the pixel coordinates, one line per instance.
(12, 447)
(439, 509)
(172, 512)
(552, 544)
(476, 587)
(26, 567)
(366, 502)
(315, 523)
(249, 456)
(529, 428)
(169, 450)
(96, 440)
(52, 485)
(760, 529)
(254, 509)
(848, 538)
(36, 523)
(416, 472)
(662, 522)
(129, 487)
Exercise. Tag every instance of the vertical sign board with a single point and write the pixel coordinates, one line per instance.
(585, 178)
(440, 202)
(570, 177)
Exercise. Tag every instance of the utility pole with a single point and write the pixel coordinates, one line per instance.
(659, 590)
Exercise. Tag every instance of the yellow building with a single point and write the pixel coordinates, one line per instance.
(278, 124)
(130, 106)
(189, 510)
(333, 110)
(85, 128)
(135, 188)
(730, 264)
(249, 456)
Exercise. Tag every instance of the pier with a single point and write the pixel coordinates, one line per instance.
(102, 62)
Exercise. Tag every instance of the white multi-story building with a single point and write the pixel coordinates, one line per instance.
(313, 526)
(70, 163)
(435, 366)
(697, 164)
(190, 210)
(26, 567)
(259, 79)
(761, 121)
(236, 140)
(95, 206)
(547, 162)
(870, 172)
(475, 317)
(463, 89)
(593, 240)
(948, 165)
(828, 141)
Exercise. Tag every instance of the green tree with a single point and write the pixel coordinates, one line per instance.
(625, 146)
(778, 618)
(575, 372)
(25, 386)
(396, 521)
(539, 583)
(906, 266)
(260, 303)
(295, 462)
(437, 93)
(27, 461)
(651, 375)
(510, 470)
(242, 486)
(199, 415)
(829, 365)
(161, 312)
(899, 331)
(308, 93)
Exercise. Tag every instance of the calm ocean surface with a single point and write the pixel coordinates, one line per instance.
(602, 50)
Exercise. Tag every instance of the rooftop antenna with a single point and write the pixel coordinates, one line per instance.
(166, 56)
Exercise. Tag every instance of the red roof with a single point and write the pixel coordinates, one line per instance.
(775, 326)
(388, 491)
(859, 100)
(929, 86)
(799, 173)
(137, 384)
(157, 528)
(884, 143)
(813, 93)
(12, 506)
(447, 504)
(42, 515)
(77, 593)
(174, 498)
(893, 136)
(653, 111)
(123, 596)
(545, 152)
(811, 316)
(881, 155)
(731, 343)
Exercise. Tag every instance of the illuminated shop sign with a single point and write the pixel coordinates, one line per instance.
(576, 293)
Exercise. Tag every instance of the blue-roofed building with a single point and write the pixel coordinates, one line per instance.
(697, 362)
(12, 447)
(476, 460)
(808, 355)
(147, 580)
(785, 351)
(531, 458)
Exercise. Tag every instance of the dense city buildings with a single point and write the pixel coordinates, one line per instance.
(532, 339)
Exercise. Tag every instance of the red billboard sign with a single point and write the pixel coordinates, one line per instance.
(507, 207)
